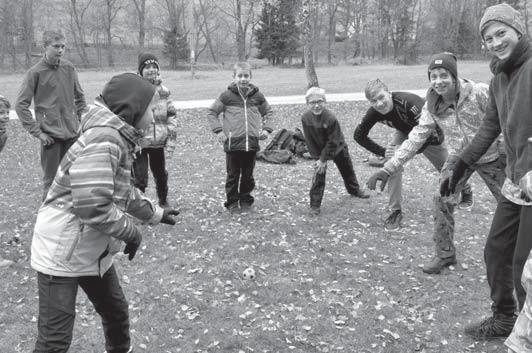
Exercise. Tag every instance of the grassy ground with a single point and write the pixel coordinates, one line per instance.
(333, 283)
(273, 81)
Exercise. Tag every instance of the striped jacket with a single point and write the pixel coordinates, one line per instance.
(84, 217)
(244, 116)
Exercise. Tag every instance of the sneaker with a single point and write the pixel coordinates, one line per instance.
(394, 220)
(466, 200)
(245, 207)
(437, 264)
(496, 326)
(360, 194)
(314, 211)
(233, 208)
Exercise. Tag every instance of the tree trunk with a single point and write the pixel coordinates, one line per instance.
(332, 30)
(240, 33)
(140, 7)
(308, 9)
(27, 28)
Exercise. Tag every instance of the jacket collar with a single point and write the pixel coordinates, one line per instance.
(49, 63)
(243, 92)
(521, 53)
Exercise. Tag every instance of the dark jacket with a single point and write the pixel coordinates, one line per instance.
(403, 117)
(323, 134)
(245, 113)
(57, 98)
(509, 110)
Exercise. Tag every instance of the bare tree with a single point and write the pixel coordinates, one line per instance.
(140, 10)
(77, 10)
(206, 15)
(27, 30)
(8, 28)
(308, 10)
(111, 8)
(242, 14)
(332, 9)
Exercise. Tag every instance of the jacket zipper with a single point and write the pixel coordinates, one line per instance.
(74, 245)
(246, 119)
(229, 143)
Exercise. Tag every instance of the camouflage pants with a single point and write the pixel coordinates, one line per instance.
(493, 175)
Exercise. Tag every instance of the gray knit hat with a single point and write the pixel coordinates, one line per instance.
(502, 13)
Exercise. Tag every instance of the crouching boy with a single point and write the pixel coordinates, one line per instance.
(85, 217)
(325, 142)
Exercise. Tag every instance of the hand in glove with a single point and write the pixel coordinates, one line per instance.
(132, 246)
(381, 175)
(448, 184)
(168, 216)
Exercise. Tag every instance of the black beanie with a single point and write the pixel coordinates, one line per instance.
(128, 95)
(445, 60)
(145, 59)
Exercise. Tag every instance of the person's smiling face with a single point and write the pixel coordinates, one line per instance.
(500, 39)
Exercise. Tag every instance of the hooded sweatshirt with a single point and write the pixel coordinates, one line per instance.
(84, 218)
(459, 125)
(509, 111)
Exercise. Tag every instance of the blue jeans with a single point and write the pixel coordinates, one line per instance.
(57, 301)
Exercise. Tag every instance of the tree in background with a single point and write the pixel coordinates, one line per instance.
(308, 11)
(277, 32)
(176, 47)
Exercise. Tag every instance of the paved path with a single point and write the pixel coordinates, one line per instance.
(282, 100)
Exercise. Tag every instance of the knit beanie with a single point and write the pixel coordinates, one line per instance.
(502, 13)
(444, 60)
(128, 95)
(315, 92)
(145, 59)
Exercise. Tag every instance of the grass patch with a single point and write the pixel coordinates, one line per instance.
(272, 81)
(333, 283)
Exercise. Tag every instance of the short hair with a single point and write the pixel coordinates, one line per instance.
(4, 102)
(315, 91)
(241, 65)
(51, 36)
(373, 86)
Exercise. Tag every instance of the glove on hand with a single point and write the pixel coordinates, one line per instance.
(381, 175)
(132, 246)
(448, 184)
(168, 216)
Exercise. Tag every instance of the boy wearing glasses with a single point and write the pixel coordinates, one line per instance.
(58, 101)
(325, 142)
(400, 111)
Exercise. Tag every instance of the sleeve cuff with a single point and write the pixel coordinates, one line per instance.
(157, 215)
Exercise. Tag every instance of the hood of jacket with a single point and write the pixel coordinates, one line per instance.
(99, 115)
(520, 54)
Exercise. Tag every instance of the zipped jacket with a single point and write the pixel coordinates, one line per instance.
(244, 114)
(57, 98)
(459, 123)
(85, 216)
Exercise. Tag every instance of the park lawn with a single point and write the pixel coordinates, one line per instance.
(333, 283)
(272, 81)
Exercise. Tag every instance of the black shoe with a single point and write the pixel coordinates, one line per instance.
(233, 208)
(496, 326)
(437, 264)
(394, 220)
(360, 194)
(245, 206)
(314, 211)
(466, 200)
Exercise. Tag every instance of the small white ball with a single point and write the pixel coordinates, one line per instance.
(249, 273)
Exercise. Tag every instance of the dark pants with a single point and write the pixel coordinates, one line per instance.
(345, 167)
(57, 301)
(240, 181)
(154, 157)
(51, 157)
(507, 247)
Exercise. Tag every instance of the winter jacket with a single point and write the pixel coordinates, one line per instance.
(57, 98)
(323, 134)
(245, 113)
(84, 218)
(510, 111)
(459, 124)
(163, 132)
(403, 117)
(3, 133)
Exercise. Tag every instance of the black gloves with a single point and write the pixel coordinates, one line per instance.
(381, 175)
(448, 184)
(168, 216)
(132, 246)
